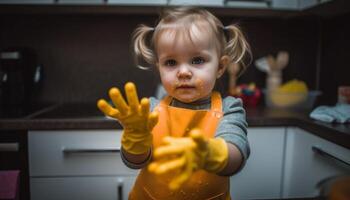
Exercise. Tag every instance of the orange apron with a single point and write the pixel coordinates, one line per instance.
(177, 122)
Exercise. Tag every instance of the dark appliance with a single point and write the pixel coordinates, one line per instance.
(19, 77)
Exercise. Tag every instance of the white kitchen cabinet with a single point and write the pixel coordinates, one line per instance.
(262, 175)
(305, 168)
(76, 153)
(78, 164)
(86, 188)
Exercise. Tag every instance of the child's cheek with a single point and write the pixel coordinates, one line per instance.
(168, 84)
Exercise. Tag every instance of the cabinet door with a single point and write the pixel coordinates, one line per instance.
(261, 177)
(305, 168)
(76, 153)
(86, 188)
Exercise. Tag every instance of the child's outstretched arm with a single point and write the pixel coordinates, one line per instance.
(136, 119)
(234, 161)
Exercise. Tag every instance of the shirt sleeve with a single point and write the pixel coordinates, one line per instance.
(153, 103)
(135, 165)
(233, 127)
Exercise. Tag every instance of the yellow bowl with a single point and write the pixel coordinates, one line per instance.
(279, 99)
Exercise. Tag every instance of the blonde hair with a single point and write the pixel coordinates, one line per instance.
(229, 40)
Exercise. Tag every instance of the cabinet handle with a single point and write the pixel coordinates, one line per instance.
(82, 150)
(330, 156)
(120, 189)
(9, 147)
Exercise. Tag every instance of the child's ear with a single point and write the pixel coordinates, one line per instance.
(223, 63)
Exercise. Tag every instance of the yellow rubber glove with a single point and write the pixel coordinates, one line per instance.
(187, 154)
(135, 118)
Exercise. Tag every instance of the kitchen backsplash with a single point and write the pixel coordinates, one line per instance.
(84, 55)
(335, 67)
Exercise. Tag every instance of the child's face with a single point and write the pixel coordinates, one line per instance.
(188, 69)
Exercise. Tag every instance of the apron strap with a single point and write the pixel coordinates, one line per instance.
(216, 102)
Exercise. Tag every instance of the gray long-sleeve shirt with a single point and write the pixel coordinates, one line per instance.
(232, 127)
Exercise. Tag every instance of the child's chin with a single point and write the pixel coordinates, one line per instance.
(187, 98)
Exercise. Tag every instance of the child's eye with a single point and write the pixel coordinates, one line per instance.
(170, 63)
(198, 60)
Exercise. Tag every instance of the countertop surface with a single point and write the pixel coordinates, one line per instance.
(87, 116)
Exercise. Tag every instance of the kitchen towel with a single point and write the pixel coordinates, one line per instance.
(9, 184)
(339, 113)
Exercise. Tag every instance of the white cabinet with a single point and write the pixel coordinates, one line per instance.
(79, 164)
(262, 175)
(86, 188)
(305, 167)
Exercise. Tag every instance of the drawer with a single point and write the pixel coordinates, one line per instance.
(87, 188)
(76, 153)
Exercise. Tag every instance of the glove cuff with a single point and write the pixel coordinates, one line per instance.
(217, 156)
(136, 143)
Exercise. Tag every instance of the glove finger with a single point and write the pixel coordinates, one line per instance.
(144, 107)
(179, 180)
(153, 166)
(199, 139)
(118, 100)
(168, 150)
(171, 165)
(152, 120)
(108, 109)
(131, 95)
(186, 174)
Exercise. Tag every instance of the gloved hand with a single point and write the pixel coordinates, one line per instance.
(185, 155)
(135, 118)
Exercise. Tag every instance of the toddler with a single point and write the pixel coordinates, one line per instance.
(189, 143)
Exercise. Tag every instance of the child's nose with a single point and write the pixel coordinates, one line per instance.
(184, 71)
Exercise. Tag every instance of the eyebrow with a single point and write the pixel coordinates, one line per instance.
(204, 52)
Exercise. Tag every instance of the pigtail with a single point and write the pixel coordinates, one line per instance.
(142, 49)
(237, 47)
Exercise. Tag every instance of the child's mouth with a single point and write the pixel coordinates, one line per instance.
(185, 87)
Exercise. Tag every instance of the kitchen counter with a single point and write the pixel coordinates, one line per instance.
(87, 116)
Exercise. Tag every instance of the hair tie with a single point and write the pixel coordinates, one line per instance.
(226, 32)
